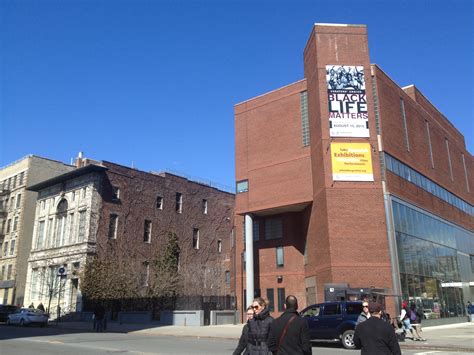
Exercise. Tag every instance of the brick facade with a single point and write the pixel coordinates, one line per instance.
(336, 231)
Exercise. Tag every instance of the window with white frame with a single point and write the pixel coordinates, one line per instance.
(280, 262)
(15, 224)
(18, 201)
(81, 232)
(159, 202)
(71, 234)
(179, 202)
(204, 206)
(49, 237)
(12, 247)
(147, 231)
(9, 272)
(115, 193)
(40, 235)
(219, 246)
(113, 224)
(195, 238)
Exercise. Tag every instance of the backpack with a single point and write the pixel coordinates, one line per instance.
(413, 315)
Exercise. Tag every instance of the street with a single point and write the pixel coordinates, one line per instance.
(50, 340)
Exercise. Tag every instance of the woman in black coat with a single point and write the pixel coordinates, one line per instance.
(259, 328)
(245, 334)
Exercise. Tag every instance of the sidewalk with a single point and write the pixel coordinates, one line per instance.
(452, 337)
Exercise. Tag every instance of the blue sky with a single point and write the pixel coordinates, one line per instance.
(153, 83)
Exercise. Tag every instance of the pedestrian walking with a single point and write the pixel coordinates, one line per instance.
(470, 311)
(31, 306)
(99, 315)
(415, 322)
(406, 321)
(40, 307)
(375, 336)
(365, 314)
(259, 328)
(245, 334)
(289, 333)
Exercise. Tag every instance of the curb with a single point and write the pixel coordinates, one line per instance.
(435, 347)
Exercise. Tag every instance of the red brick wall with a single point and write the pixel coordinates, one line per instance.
(348, 228)
(418, 157)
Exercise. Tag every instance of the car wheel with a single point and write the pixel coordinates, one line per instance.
(348, 339)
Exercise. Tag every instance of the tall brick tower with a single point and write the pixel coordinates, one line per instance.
(347, 236)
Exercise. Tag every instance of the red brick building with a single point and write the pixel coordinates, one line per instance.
(344, 178)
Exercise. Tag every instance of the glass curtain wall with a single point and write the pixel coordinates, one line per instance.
(432, 258)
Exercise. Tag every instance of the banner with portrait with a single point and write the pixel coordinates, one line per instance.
(347, 101)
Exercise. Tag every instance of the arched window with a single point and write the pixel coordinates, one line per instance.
(61, 222)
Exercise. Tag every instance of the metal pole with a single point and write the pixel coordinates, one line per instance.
(59, 301)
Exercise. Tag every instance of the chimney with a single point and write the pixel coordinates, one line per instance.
(79, 160)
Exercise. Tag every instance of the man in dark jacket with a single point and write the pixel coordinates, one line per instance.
(374, 336)
(289, 334)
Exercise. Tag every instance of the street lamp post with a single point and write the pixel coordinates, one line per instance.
(61, 275)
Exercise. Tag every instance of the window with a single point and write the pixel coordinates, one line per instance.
(179, 202)
(219, 246)
(204, 206)
(12, 247)
(18, 201)
(159, 202)
(227, 278)
(242, 186)
(71, 229)
(404, 122)
(115, 193)
(281, 299)
(40, 236)
(196, 238)
(279, 257)
(145, 274)
(14, 182)
(312, 312)
(113, 223)
(9, 225)
(49, 240)
(304, 118)
(353, 308)
(256, 230)
(273, 228)
(9, 272)
(34, 283)
(147, 231)
(331, 309)
(81, 234)
(271, 299)
(15, 224)
(83, 192)
(428, 135)
(5, 249)
(20, 178)
(2, 276)
(449, 160)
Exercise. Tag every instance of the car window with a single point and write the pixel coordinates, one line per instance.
(353, 308)
(331, 309)
(312, 311)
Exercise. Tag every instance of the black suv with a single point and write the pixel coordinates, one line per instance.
(333, 321)
(5, 310)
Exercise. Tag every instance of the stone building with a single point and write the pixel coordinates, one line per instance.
(17, 212)
(346, 181)
(106, 214)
